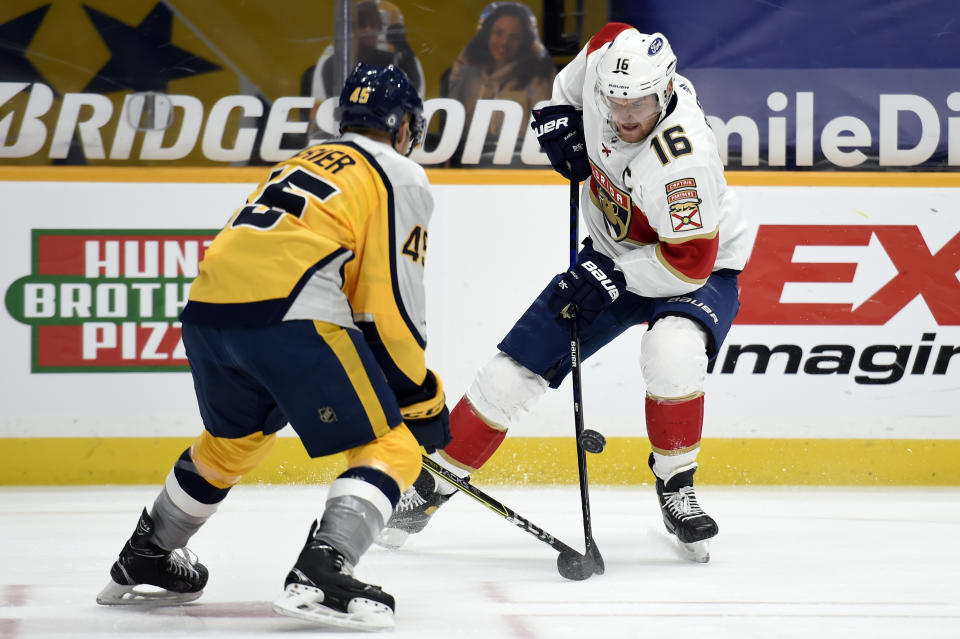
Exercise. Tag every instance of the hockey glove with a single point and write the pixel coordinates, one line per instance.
(559, 131)
(588, 288)
(426, 415)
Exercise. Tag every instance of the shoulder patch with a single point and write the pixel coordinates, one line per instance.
(684, 205)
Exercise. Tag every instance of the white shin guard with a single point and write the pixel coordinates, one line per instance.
(674, 364)
(503, 391)
(674, 357)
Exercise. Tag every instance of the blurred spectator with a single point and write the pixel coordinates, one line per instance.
(379, 39)
(504, 60)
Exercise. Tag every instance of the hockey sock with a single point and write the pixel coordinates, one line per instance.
(674, 427)
(359, 503)
(185, 503)
(474, 439)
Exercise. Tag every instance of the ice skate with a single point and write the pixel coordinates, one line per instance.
(146, 574)
(415, 509)
(321, 589)
(683, 516)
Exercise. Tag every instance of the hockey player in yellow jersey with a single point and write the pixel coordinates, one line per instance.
(309, 309)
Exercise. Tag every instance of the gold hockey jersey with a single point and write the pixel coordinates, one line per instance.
(338, 233)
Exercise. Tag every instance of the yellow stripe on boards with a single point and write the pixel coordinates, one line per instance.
(537, 177)
(343, 347)
(519, 461)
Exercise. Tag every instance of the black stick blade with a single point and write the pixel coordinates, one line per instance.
(594, 553)
(576, 567)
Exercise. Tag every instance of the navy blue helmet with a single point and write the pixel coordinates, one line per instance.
(377, 98)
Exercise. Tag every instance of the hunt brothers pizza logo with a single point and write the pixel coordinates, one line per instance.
(107, 300)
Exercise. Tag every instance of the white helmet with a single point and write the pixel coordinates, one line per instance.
(636, 65)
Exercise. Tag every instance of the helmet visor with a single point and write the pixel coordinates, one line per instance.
(418, 125)
(632, 109)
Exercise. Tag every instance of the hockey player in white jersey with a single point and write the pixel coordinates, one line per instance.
(666, 242)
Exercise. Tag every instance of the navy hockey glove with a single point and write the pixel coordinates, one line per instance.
(426, 415)
(559, 131)
(589, 287)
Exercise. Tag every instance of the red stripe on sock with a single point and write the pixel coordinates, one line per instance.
(674, 425)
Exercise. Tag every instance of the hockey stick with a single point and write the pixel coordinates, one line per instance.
(590, 562)
(579, 566)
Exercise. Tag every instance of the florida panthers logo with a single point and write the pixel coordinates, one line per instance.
(614, 202)
(617, 217)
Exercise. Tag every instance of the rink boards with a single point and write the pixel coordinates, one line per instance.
(843, 366)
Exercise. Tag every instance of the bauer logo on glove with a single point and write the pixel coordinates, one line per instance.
(551, 125)
(588, 288)
(601, 277)
(559, 130)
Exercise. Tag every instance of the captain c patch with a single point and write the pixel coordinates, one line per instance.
(684, 205)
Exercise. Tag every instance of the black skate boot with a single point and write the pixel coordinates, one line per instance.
(415, 509)
(321, 589)
(683, 516)
(177, 573)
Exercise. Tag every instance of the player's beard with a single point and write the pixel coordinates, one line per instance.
(633, 132)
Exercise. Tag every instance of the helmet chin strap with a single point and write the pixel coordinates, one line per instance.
(396, 139)
(666, 102)
(395, 147)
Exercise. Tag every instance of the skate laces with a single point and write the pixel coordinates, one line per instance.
(182, 562)
(410, 500)
(682, 504)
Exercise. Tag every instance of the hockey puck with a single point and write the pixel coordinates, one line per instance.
(592, 441)
(574, 566)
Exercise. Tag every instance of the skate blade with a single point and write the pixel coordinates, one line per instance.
(306, 603)
(114, 594)
(698, 551)
(392, 538)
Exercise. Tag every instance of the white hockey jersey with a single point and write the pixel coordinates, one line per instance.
(660, 207)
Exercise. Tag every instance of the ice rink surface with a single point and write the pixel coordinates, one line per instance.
(789, 562)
